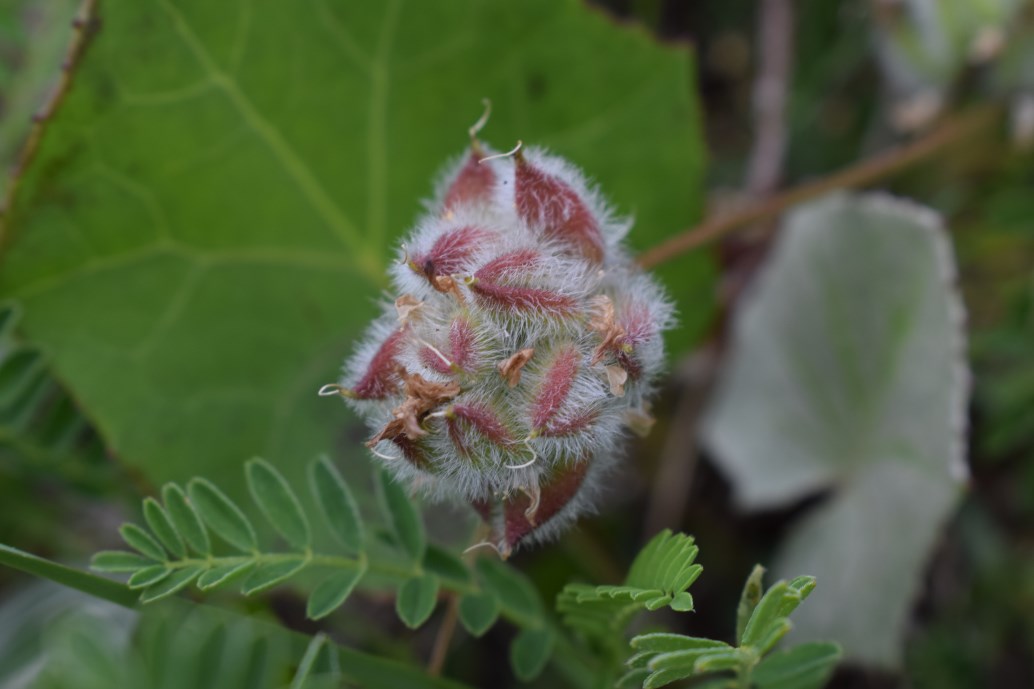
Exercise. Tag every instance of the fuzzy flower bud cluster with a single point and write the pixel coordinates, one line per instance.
(522, 343)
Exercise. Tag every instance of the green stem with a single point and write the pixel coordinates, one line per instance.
(91, 584)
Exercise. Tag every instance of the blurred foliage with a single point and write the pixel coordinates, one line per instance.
(234, 348)
(48, 452)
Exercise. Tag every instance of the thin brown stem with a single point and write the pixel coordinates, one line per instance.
(442, 640)
(883, 165)
(84, 26)
(444, 637)
(774, 71)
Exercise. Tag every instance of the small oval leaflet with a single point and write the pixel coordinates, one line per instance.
(529, 652)
(163, 529)
(278, 503)
(332, 592)
(170, 584)
(221, 515)
(186, 520)
(478, 612)
(138, 539)
(416, 600)
(405, 522)
(337, 504)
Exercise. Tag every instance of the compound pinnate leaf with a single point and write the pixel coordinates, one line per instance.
(416, 600)
(336, 503)
(278, 503)
(855, 327)
(186, 519)
(162, 527)
(126, 243)
(222, 515)
(478, 612)
(406, 524)
(332, 592)
(530, 651)
(807, 666)
(140, 540)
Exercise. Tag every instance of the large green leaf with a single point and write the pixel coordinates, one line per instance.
(848, 374)
(206, 226)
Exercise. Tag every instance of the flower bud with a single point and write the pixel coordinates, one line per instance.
(522, 345)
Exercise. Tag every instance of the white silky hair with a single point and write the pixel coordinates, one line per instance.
(487, 469)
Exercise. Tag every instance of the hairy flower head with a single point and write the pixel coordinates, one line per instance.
(521, 344)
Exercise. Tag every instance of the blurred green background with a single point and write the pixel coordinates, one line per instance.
(202, 233)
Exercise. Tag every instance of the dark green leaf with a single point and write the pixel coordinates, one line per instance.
(331, 593)
(513, 590)
(308, 662)
(224, 574)
(807, 666)
(143, 578)
(186, 519)
(337, 504)
(752, 592)
(478, 612)
(222, 515)
(530, 651)
(416, 600)
(445, 565)
(140, 540)
(170, 584)
(119, 561)
(405, 521)
(268, 576)
(162, 527)
(278, 502)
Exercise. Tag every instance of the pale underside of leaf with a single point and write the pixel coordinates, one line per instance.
(848, 372)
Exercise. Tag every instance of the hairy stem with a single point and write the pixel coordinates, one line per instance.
(951, 131)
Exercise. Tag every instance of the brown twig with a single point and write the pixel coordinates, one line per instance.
(84, 26)
(675, 471)
(864, 173)
(775, 58)
(443, 638)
